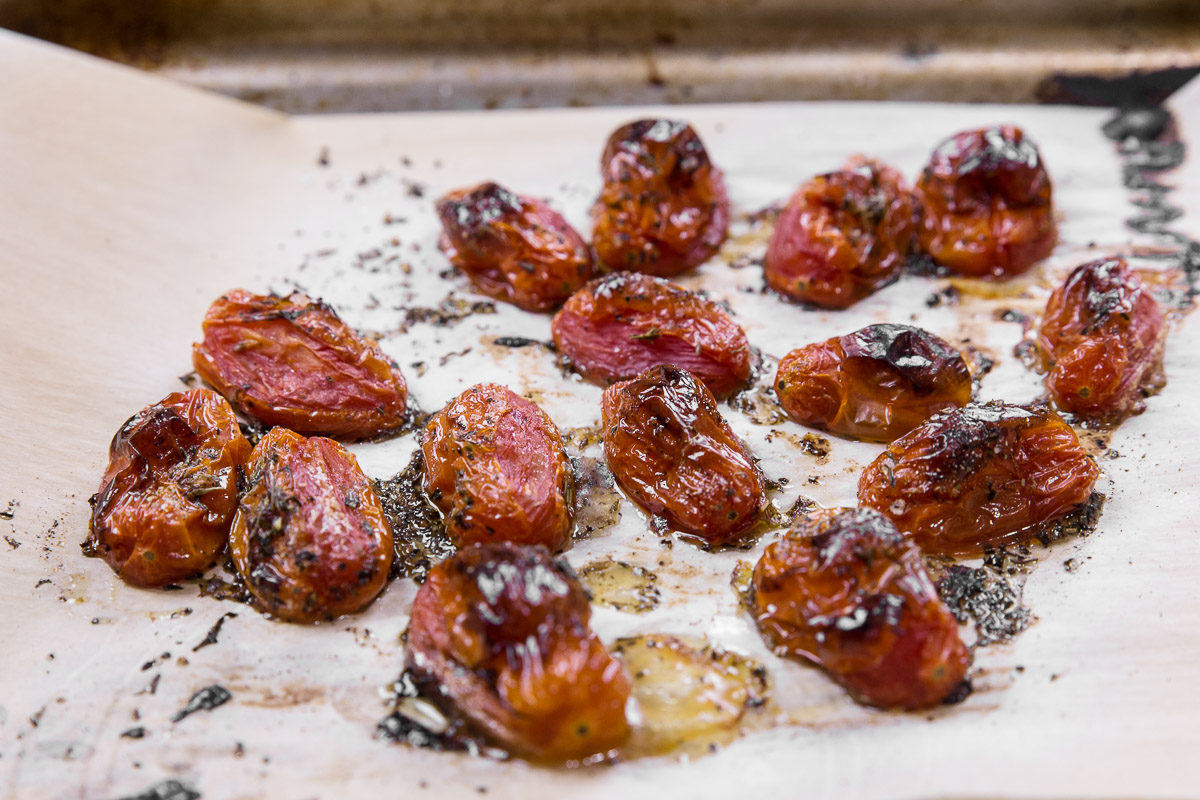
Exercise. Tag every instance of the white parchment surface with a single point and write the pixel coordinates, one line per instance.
(127, 204)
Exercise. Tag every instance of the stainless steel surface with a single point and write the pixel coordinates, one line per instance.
(392, 55)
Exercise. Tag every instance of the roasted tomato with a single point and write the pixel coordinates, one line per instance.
(671, 450)
(310, 538)
(842, 236)
(496, 468)
(515, 249)
(170, 491)
(291, 361)
(980, 475)
(1102, 341)
(847, 591)
(985, 203)
(620, 325)
(503, 630)
(663, 209)
(877, 383)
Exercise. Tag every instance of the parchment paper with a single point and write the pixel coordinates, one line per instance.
(128, 204)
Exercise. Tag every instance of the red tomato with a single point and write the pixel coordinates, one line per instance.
(291, 361)
(663, 208)
(671, 450)
(496, 468)
(980, 475)
(847, 591)
(877, 383)
(170, 490)
(620, 325)
(986, 204)
(503, 630)
(842, 236)
(310, 538)
(1102, 337)
(515, 249)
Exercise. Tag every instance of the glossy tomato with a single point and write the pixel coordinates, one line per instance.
(291, 361)
(169, 493)
(663, 208)
(516, 249)
(502, 629)
(496, 468)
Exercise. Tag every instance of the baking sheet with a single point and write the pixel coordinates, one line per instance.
(128, 204)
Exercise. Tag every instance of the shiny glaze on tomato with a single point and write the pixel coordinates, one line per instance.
(513, 248)
(876, 384)
(310, 539)
(496, 468)
(674, 454)
(502, 629)
(1102, 341)
(848, 592)
(842, 236)
(291, 361)
(980, 475)
(169, 492)
(618, 326)
(663, 208)
(986, 204)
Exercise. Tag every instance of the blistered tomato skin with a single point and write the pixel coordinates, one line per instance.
(169, 493)
(986, 202)
(515, 249)
(503, 629)
(663, 208)
(1102, 340)
(980, 475)
(674, 454)
(496, 468)
(842, 236)
(310, 539)
(876, 384)
(846, 591)
(291, 361)
(618, 326)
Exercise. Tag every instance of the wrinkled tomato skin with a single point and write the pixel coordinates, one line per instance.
(310, 539)
(875, 384)
(291, 361)
(663, 209)
(618, 326)
(1102, 340)
(673, 453)
(842, 236)
(980, 475)
(503, 630)
(515, 249)
(169, 493)
(496, 468)
(986, 204)
(846, 591)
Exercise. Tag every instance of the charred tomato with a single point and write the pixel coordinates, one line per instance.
(291, 361)
(980, 475)
(663, 208)
(842, 236)
(310, 538)
(1102, 341)
(496, 468)
(620, 325)
(986, 204)
(670, 449)
(170, 491)
(848, 592)
(502, 631)
(877, 383)
(516, 249)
